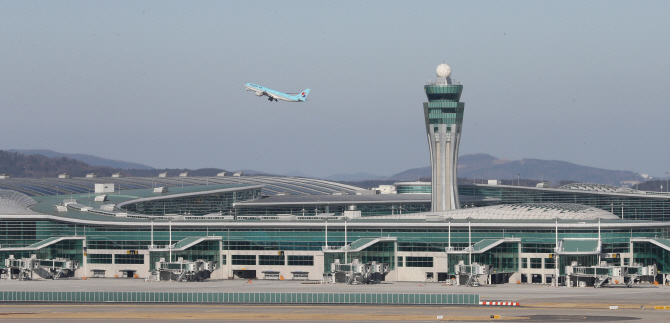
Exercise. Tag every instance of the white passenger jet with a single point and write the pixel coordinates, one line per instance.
(276, 95)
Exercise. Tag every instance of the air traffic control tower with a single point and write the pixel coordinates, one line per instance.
(444, 119)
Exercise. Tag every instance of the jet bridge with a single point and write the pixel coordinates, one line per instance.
(470, 275)
(47, 268)
(604, 274)
(359, 273)
(184, 270)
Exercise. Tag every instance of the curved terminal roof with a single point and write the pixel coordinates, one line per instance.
(273, 185)
(525, 211)
(15, 203)
(591, 187)
(352, 199)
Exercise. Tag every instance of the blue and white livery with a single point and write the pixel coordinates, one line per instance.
(276, 95)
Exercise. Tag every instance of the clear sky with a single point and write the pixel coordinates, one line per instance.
(161, 82)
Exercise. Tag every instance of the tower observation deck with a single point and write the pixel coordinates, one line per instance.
(444, 119)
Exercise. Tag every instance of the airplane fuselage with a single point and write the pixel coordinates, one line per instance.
(274, 95)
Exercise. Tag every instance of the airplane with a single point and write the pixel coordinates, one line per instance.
(276, 95)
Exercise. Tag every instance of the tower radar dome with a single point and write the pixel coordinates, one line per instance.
(443, 70)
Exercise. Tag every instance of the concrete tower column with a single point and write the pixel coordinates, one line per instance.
(443, 114)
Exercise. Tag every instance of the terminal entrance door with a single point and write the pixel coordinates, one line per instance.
(244, 274)
(500, 278)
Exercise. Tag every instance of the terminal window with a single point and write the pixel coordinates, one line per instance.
(271, 260)
(244, 259)
(129, 259)
(99, 258)
(549, 263)
(418, 261)
(301, 260)
(536, 263)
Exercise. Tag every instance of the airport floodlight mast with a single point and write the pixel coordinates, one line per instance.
(443, 115)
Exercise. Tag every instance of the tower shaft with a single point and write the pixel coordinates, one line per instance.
(444, 120)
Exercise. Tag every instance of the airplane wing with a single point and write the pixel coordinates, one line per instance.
(270, 95)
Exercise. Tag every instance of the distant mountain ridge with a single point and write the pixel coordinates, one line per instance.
(38, 164)
(19, 165)
(88, 159)
(486, 167)
(346, 177)
(483, 166)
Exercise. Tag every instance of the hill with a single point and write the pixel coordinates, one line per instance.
(20, 165)
(88, 159)
(485, 166)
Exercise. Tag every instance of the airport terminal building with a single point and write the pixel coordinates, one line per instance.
(271, 227)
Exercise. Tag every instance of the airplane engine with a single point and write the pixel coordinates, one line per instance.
(259, 94)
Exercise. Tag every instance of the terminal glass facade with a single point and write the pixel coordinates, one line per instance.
(413, 189)
(311, 209)
(203, 204)
(628, 207)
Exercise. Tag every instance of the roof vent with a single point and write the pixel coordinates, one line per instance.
(184, 174)
(64, 175)
(101, 198)
(163, 174)
(107, 207)
(4, 176)
(117, 175)
(238, 174)
(221, 174)
(162, 189)
(104, 188)
(91, 175)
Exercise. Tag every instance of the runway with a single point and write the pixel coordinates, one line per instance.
(219, 313)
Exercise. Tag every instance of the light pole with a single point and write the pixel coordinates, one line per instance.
(475, 180)
(469, 242)
(556, 260)
(152, 233)
(518, 179)
(449, 243)
(170, 238)
(666, 181)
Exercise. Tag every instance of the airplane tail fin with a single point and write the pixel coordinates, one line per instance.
(303, 94)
